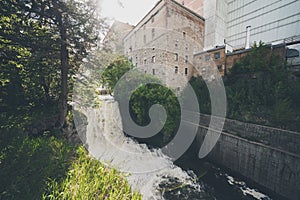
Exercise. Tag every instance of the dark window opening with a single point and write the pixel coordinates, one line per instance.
(176, 56)
(153, 59)
(220, 68)
(186, 71)
(217, 55)
(176, 69)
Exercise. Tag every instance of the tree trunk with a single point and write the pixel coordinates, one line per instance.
(64, 58)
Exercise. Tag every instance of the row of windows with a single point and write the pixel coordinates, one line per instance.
(153, 59)
(176, 58)
(216, 57)
(176, 71)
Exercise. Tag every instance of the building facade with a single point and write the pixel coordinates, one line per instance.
(113, 40)
(272, 21)
(217, 60)
(164, 42)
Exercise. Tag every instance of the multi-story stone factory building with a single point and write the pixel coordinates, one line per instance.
(164, 42)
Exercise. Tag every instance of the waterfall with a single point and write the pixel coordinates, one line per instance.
(147, 169)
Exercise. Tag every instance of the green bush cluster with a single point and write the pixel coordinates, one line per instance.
(260, 89)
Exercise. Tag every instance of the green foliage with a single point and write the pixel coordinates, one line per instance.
(147, 95)
(51, 168)
(27, 163)
(90, 179)
(259, 89)
(143, 97)
(115, 71)
(201, 90)
(41, 44)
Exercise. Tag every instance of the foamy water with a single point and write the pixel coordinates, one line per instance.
(145, 168)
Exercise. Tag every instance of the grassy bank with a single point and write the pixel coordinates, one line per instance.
(51, 168)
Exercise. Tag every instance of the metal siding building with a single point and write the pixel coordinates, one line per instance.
(271, 21)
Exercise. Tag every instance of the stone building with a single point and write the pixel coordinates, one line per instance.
(211, 62)
(113, 40)
(164, 42)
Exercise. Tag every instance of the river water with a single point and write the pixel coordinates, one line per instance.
(149, 171)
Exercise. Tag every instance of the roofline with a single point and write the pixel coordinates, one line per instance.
(189, 10)
(113, 24)
(210, 50)
(185, 8)
(144, 17)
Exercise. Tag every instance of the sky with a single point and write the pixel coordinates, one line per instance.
(128, 11)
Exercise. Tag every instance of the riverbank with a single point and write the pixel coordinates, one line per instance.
(49, 167)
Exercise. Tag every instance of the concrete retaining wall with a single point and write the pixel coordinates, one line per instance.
(273, 168)
(278, 138)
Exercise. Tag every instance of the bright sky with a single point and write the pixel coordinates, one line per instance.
(128, 11)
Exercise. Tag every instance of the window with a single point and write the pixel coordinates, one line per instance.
(176, 69)
(217, 55)
(130, 49)
(145, 40)
(136, 64)
(186, 71)
(153, 71)
(186, 59)
(153, 59)
(220, 68)
(153, 33)
(176, 56)
(207, 58)
(145, 61)
(183, 35)
(130, 59)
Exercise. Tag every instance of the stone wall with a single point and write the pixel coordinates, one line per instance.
(278, 138)
(274, 168)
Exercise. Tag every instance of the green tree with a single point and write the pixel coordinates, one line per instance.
(259, 89)
(141, 101)
(44, 42)
(143, 97)
(114, 71)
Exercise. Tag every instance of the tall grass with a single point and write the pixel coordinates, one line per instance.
(90, 179)
(51, 168)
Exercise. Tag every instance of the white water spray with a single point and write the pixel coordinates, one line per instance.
(146, 168)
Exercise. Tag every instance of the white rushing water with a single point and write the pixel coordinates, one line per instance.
(146, 168)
